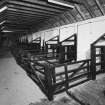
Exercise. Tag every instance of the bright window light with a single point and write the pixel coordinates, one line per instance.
(3, 8)
(61, 3)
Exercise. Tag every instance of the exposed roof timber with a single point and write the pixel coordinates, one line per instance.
(2, 22)
(26, 12)
(16, 30)
(28, 23)
(73, 19)
(74, 2)
(86, 5)
(3, 2)
(2, 18)
(44, 3)
(3, 9)
(25, 17)
(99, 6)
(80, 12)
(68, 17)
(22, 11)
(73, 15)
(25, 22)
(15, 27)
(61, 3)
(14, 2)
(8, 22)
(63, 19)
(33, 10)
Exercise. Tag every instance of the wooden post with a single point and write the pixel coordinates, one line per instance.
(103, 59)
(61, 54)
(75, 46)
(48, 78)
(88, 70)
(93, 63)
(66, 78)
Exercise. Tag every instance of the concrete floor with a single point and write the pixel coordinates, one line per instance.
(16, 88)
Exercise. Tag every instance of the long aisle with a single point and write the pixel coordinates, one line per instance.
(16, 88)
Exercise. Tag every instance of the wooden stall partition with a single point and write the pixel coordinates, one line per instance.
(98, 57)
(68, 49)
(52, 46)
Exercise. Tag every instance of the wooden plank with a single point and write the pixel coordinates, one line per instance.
(80, 12)
(33, 6)
(100, 7)
(44, 3)
(33, 10)
(25, 11)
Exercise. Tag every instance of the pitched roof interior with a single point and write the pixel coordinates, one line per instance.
(40, 14)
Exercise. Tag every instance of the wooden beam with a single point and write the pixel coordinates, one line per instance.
(72, 18)
(16, 26)
(68, 17)
(86, 5)
(73, 15)
(25, 22)
(15, 16)
(25, 14)
(80, 12)
(33, 6)
(2, 2)
(33, 10)
(100, 7)
(30, 13)
(45, 3)
(28, 23)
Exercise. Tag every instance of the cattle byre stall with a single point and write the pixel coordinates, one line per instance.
(54, 78)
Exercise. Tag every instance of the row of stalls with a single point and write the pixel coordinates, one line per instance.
(55, 69)
(61, 51)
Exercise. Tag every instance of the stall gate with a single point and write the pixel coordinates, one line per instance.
(55, 78)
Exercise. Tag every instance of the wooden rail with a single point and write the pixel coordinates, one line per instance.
(54, 77)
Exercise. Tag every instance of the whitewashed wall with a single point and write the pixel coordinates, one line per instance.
(35, 35)
(51, 33)
(67, 31)
(87, 32)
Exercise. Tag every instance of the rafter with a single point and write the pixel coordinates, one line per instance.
(100, 7)
(14, 2)
(44, 3)
(80, 12)
(24, 14)
(86, 5)
(25, 11)
(33, 10)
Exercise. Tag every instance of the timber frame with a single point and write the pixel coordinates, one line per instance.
(98, 57)
(54, 78)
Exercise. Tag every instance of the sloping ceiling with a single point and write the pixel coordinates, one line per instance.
(40, 14)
